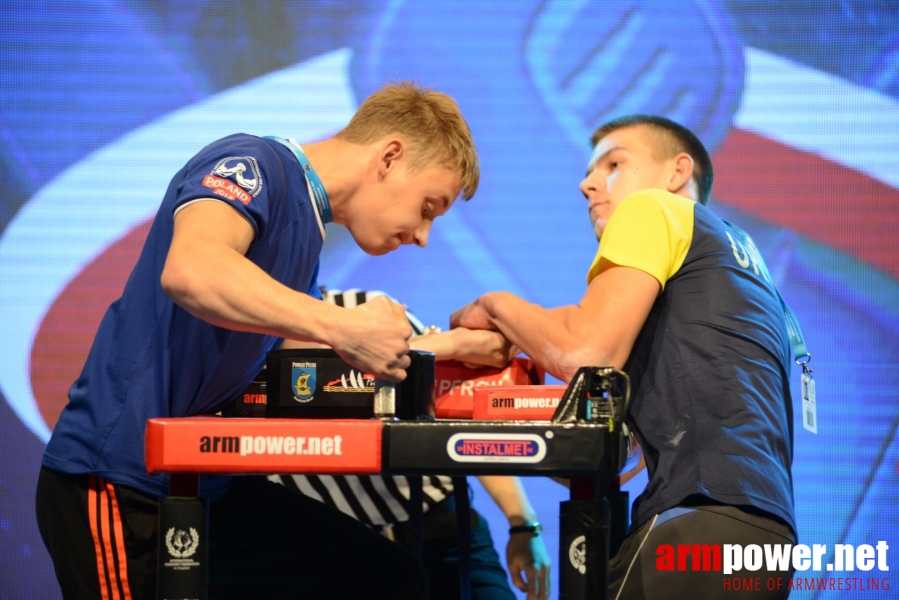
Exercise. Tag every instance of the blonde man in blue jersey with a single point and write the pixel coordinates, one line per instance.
(228, 271)
(677, 300)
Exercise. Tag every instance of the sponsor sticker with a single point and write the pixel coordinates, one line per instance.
(496, 447)
(356, 382)
(302, 380)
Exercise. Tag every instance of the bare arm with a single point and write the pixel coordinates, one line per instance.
(510, 497)
(207, 274)
(525, 552)
(470, 346)
(628, 475)
(475, 346)
(600, 330)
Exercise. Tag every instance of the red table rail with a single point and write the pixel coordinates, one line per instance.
(590, 453)
(239, 446)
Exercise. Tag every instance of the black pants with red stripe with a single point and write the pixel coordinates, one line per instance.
(266, 541)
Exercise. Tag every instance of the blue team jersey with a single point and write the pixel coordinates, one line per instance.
(150, 357)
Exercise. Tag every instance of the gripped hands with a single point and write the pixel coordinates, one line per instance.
(374, 337)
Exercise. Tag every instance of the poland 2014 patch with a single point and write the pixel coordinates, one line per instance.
(226, 189)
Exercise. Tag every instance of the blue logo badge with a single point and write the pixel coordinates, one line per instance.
(302, 383)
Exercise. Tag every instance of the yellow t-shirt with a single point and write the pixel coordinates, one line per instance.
(651, 231)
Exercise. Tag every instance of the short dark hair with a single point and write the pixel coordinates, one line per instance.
(676, 139)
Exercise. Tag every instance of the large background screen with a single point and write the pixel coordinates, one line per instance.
(102, 102)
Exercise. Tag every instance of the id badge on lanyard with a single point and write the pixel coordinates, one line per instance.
(797, 341)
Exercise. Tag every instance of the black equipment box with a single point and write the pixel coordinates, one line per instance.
(251, 402)
(318, 384)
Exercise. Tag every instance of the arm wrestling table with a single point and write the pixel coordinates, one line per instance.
(583, 441)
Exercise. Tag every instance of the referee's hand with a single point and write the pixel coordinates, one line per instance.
(526, 555)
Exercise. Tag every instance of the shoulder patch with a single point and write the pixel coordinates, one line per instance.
(243, 170)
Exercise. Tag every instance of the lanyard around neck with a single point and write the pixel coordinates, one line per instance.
(800, 352)
(319, 193)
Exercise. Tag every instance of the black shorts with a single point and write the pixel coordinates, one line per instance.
(265, 541)
(634, 572)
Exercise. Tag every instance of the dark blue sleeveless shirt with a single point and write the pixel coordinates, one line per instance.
(711, 403)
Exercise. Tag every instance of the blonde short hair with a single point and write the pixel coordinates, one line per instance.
(429, 122)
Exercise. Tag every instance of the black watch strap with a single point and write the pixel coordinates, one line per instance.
(534, 528)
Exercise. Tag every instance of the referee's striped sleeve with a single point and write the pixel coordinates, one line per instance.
(373, 500)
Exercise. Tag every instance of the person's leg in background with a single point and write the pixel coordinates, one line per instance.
(489, 581)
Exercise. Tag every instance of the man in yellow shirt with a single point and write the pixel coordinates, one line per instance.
(678, 299)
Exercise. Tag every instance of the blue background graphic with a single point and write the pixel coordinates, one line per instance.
(102, 101)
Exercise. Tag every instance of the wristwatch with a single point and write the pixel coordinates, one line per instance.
(534, 528)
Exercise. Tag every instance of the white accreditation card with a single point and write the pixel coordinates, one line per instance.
(809, 407)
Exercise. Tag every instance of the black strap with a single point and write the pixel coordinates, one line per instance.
(463, 531)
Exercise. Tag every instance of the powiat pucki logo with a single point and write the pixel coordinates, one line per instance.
(738, 562)
(302, 377)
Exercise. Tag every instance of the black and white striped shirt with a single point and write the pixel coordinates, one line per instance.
(372, 499)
